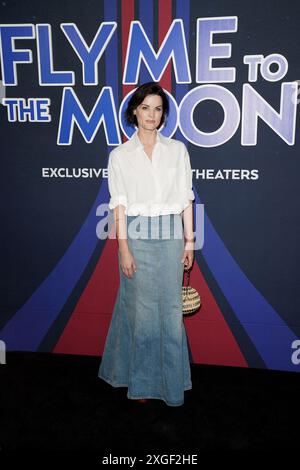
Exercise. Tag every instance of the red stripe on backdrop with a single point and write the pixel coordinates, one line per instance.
(127, 17)
(210, 338)
(86, 330)
(164, 23)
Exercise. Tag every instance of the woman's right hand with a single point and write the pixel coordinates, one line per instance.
(127, 263)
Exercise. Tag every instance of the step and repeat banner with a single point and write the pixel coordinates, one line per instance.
(231, 71)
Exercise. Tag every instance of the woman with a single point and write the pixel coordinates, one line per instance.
(150, 183)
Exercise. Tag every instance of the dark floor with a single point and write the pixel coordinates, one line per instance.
(57, 402)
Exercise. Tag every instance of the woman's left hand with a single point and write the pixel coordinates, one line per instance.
(187, 258)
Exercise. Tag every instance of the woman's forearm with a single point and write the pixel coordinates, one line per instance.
(120, 223)
(187, 217)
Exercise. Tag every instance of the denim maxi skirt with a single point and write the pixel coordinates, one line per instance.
(146, 346)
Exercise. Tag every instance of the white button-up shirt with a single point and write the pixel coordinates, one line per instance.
(150, 188)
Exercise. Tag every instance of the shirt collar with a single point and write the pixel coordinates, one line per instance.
(134, 143)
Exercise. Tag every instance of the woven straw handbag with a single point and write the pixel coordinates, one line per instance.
(190, 297)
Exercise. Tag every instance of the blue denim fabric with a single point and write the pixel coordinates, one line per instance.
(146, 345)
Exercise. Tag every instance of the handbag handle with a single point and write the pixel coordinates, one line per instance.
(188, 277)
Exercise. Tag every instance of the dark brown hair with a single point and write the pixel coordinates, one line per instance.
(149, 88)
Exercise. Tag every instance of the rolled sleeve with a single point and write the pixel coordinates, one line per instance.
(188, 175)
(115, 184)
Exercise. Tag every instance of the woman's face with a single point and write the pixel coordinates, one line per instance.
(149, 112)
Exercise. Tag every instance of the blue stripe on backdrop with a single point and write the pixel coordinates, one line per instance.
(269, 333)
(30, 324)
